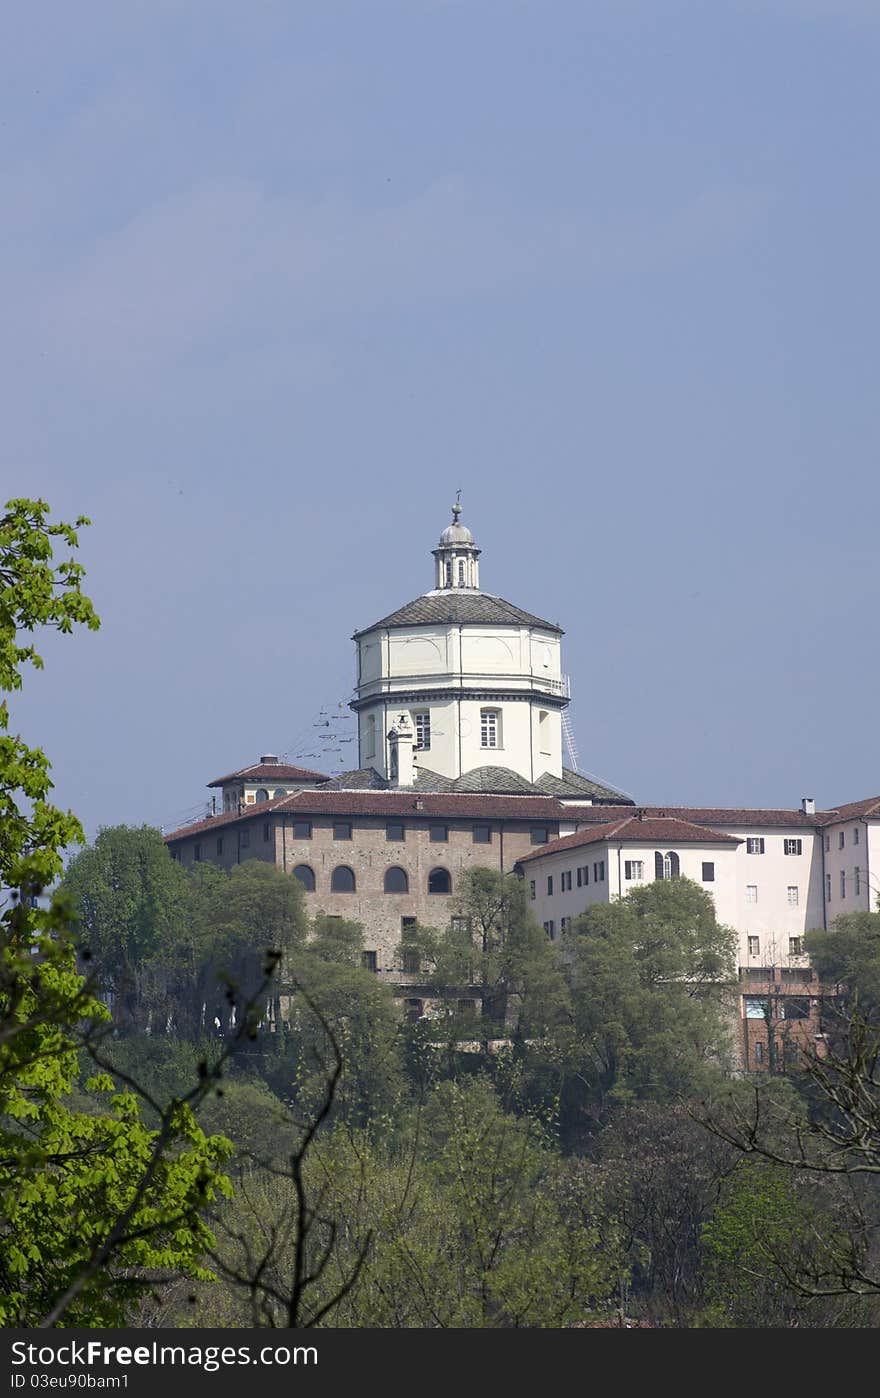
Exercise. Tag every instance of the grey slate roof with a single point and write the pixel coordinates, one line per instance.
(460, 608)
(499, 781)
(495, 781)
(363, 779)
(572, 785)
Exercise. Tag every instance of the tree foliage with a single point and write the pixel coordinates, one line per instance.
(495, 950)
(650, 979)
(90, 1200)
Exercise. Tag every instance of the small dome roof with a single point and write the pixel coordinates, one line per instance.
(456, 533)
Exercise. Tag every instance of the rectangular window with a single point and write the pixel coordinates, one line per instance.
(755, 844)
(759, 1052)
(175, 854)
(708, 871)
(827, 843)
(342, 829)
(412, 961)
(302, 829)
(563, 923)
(267, 832)
(599, 871)
(793, 895)
(368, 961)
(580, 877)
(461, 925)
(423, 730)
(751, 893)
(219, 844)
(439, 834)
(490, 728)
(532, 889)
(586, 875)
(543, 732)
(245, 838)
(550, 929)
(566, 881)
(754, 946)
(795, 946)
(633, 869)
(792, 846)
(482, 834)
(407, 926)
(197, 852)
(540, 834)
(395, 830)
(857, 881)
(841, 839)
(855, 834)
(827, 888)
(756, 1007)
(550, 885)
(843, 883)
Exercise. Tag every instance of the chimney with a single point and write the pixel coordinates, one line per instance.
(401, 738)
(269, 757)
(808, 805)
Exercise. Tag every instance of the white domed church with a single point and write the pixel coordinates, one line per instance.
(476, 681)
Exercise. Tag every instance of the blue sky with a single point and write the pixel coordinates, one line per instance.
(279, 278)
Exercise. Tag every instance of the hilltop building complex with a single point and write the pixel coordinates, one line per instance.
(461, 704)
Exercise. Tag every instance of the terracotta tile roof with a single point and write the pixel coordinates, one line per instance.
(410, 803)
(459, 608)
(259, 808)
(699, 815)
(269, 771)
(851, 811)
(654, 830)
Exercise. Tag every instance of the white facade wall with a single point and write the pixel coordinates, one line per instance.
(448, 664)
(570, 903)
(851, 845)
(772, 918)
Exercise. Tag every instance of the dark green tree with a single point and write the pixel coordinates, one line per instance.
(651, 984)
(131, 900)
(493, 950)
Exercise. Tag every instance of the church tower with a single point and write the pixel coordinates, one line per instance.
(478, 679)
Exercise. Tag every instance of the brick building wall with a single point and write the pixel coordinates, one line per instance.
(369, 853)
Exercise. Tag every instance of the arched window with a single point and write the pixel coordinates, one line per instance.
(306, 877)
(280, 792)
(449, 574)
(262, 795)
(439, 881)
(461, 572)
(396, 880)
(666, 866)
(342, 880)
